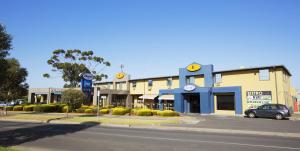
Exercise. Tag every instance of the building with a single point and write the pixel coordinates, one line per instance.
(200, 89)
(44, 95)
(196, 89)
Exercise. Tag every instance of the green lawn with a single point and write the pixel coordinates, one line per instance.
(7, 149)
(105, 119)
(125, 120)
(32, 116)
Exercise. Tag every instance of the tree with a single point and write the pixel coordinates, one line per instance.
(5, 46)
(5, 42)
(12, 75)
(71, 63)
(14, 86)
(73, 98)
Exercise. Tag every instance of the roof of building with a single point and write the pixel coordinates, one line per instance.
(256, 68)
(220, 71)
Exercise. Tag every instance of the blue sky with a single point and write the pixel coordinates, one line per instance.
(155, 37)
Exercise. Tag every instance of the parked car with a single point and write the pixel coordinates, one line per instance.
(277, 111)
(2, 103)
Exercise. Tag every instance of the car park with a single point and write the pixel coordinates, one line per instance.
(277, 111)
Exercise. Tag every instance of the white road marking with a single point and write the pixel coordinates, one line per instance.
(189, 140)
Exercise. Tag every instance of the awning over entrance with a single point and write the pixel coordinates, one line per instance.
(166, 97)
(148, 96)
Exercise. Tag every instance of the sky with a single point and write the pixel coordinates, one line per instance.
(155, 37)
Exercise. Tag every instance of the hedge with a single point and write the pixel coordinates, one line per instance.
(80, 110)
(65, 109)
(120, 111)
(104, 111)
(88, 111)
(154, 112)
(18, 108)
(167, 113)
(84, 107)
(143, 112)
(28, 107)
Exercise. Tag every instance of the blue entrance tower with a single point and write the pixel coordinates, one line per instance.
(204, 95)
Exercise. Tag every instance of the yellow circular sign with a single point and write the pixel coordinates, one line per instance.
(193, 67)
(120, 75)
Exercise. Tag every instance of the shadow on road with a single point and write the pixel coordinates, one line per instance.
(28, 134)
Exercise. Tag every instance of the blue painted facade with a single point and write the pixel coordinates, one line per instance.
(206, 93)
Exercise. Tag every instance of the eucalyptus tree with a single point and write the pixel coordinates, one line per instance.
(12, 76)
(71, 63)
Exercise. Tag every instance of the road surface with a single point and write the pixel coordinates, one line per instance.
(34, 136)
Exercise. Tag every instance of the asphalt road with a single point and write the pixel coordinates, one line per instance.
(242, 123)
(91, 137)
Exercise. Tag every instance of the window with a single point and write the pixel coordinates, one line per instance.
(190, 80)
(218, 78)
(134, 84)
(150, 83)
(120, 86)
(282, 107)
(264, 75)
(265, 107)
(169, 82)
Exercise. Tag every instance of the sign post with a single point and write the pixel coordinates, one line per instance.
(98, 102)
(86, 84)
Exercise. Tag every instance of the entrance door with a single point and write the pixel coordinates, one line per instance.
(193, 101)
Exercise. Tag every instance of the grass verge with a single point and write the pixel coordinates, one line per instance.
(124, 121)
(31, 116)
(7, 149)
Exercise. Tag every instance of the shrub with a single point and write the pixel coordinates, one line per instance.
(80, 110)
(18, 108)
(28, 107)
(143, 112)
(88, 111)
(120, 111)
(73, 97)
(9, 108)
(45, 108)
(167, 113)
(65, 108)
(84, 107)
(154, 112)
(104, 111)
(60, 107)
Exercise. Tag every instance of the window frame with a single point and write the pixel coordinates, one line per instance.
(169, 82)
(220, 81)
(150, 83)
(263, 77)
(133, 84)
(188, 80)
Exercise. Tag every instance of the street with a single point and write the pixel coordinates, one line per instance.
(35, 136)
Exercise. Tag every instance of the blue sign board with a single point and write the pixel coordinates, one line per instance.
(86, 82)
